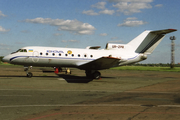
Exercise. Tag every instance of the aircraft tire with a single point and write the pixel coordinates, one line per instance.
(29, 74)
(96, 75)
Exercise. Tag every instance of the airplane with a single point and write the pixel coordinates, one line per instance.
(90, 59)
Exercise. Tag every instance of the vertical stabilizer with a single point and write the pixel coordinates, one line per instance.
(147, 41)
(135, 43)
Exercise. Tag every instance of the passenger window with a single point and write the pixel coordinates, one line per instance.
(79, 55)
(72, 55)
(59, 54)
(91, 56)
(46, 53)
(85, 55)
(66, 54)
(41, 53)
(53, 54)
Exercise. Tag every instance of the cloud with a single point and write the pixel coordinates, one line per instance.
(99, 5)
(109, 12)
(128, 8)
(57, 34)
(73, 40)
(73, 26)
(3, 29)
(158, 5)
(130, 0)
(106, 11)
(132, 22)
(65, 41)
(103, 34)
(2, 15)
(90, 12)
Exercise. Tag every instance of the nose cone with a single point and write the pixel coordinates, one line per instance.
(6, 59)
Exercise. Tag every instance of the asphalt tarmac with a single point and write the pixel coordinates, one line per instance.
(119, 95)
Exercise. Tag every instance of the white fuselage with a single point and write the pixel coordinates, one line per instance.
(67, 57)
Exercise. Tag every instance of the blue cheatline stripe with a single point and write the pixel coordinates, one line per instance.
(50, 57)
(61, 58)
(133, 57)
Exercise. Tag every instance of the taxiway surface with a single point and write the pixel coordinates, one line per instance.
(125, 95)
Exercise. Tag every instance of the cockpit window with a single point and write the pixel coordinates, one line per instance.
(20, 50)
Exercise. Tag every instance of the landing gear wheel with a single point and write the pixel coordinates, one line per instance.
(29, 74)
(93, 74)
(97, 75)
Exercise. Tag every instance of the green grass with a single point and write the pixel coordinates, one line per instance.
(135, 68)
(7, 64)
(147, 68)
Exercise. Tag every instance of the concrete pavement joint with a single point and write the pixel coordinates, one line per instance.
(90, 105)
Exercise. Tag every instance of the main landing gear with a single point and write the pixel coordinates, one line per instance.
(93, 74)
(29, 74)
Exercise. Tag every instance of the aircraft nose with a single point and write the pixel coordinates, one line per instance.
(5, 59)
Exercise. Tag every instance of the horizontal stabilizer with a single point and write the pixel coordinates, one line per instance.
(164, 31)
(101, 63)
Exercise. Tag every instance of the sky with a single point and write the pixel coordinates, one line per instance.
(82, 23)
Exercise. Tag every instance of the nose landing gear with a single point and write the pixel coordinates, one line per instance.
(26, 69)
(29, 74)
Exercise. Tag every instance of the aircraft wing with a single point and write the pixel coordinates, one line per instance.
(101, 63)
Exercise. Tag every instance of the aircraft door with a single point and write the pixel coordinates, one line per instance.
(35, 57)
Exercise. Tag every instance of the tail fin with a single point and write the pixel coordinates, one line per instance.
(147, 41)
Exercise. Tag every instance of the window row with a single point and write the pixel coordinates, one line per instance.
(53, 54)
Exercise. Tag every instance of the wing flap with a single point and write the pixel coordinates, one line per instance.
(101, 63)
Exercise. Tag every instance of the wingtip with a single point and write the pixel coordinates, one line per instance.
(173, 29)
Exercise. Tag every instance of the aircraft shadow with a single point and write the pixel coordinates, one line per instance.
(75, 79)
(71, 78)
